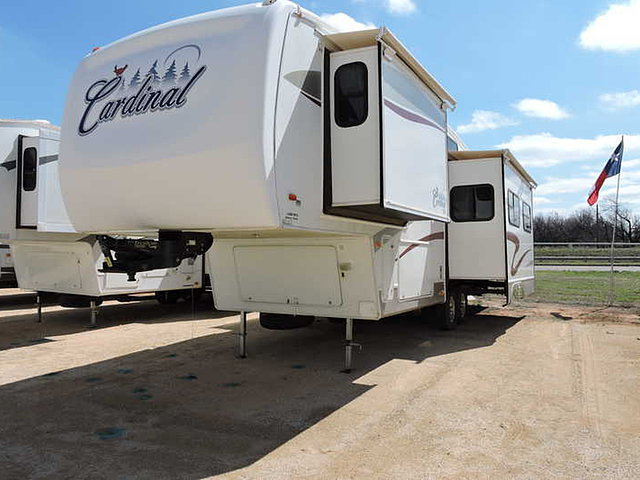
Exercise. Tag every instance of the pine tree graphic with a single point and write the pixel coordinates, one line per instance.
(185, 74)
(153, 73)
(170, 74)
(135, 80)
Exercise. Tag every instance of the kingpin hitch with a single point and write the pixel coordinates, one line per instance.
(130, 255)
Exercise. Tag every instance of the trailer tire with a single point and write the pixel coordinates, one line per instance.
(68, 300)
(278, 321)
(194, 294)
(168, 297)
(447, 314)
(461, 305)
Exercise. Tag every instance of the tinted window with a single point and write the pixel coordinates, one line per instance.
(514, 209)
(526, 217)
(351, 95)
(452, 146)
(472, 203)
(29, 169)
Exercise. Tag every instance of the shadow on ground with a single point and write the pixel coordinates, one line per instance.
(19, 326)
(191, 410)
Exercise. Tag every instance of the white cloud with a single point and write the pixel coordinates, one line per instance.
(615, 30)
(562, 211)
(546, 150)
(482, 120)
(534, 107)
(618, 100)
(569, 193)
(401, 7)
(629, 187)
(566, 190)
(538, 200)
(345, 23)
(557, 186)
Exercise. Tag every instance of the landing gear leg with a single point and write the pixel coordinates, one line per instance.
(39, 306)
(242, 336)
(94, 314)
(349, 346)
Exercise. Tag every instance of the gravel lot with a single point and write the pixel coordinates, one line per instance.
(531, 391)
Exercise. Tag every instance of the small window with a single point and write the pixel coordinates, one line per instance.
(351, 95)
(472, 203)
(526, 217)
(514, 209)
(452, 146)
(29, 169)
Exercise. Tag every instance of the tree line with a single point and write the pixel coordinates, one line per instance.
(585, 226)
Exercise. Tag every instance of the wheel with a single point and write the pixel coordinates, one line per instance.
(278, 321)
(168, 297)
(461, 305)
(447, 314)
(196, 293)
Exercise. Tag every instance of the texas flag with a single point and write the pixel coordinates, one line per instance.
(611, 169)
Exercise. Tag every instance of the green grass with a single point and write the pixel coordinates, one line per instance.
(587, 288)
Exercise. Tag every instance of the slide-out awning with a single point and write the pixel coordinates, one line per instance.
(505, 153)
(368, 38)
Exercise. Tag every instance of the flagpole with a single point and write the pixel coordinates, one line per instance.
(613, 237)
(597, 227)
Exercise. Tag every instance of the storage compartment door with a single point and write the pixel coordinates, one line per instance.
(355, 127)
(293, 275)
(27, 188)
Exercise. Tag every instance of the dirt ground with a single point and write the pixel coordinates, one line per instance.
(531, 391)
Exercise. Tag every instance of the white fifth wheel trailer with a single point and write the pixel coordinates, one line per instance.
(317, 160)
(49, 256)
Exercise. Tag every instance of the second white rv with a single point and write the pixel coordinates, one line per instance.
(7, 273)
(47, 253)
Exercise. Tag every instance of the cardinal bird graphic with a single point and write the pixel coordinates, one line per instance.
(119, 71)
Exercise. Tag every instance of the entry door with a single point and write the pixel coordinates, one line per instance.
(27, 188)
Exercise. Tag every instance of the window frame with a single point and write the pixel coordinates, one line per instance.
(32, 176)
(474, 186)
(516, 216)
(526, 227)
(336, 100)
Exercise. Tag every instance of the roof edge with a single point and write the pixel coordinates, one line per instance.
(503, 153)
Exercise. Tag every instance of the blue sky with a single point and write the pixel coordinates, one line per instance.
(556, 81)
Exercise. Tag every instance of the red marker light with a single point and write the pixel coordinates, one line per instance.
(293, 197)
(95, 49)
